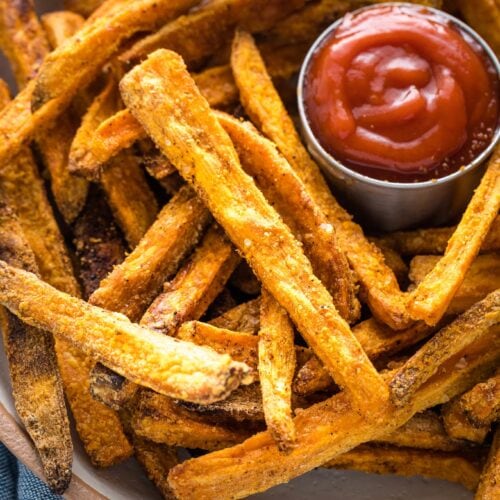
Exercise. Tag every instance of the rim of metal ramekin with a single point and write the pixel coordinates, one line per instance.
(364, 178)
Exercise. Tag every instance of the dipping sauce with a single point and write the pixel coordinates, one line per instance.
(400, 93)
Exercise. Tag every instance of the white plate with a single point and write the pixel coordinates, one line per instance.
(127, 481)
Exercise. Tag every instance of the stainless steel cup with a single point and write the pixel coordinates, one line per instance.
(390, 206)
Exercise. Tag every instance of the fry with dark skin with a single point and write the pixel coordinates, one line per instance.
(490, 477)
(132, 286)
(193, 132)
(289, 196)
(276, 370)
(36, 384)
(119, 344)
(324, 431)
(476, 322)
(263, 104)
(195, 286)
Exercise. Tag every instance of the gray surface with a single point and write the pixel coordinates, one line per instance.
(127, 482)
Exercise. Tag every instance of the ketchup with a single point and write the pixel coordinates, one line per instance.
(400, 93)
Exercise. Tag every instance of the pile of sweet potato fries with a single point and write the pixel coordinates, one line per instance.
(174, 266)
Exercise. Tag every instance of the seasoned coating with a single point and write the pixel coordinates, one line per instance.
(171, 367)
(324, 431)
(482, 278)
(429, 301)
(98, 244)
(285, 191)
(131, 286)
(263, 104)
(434, 241)
(202, 33)
(36, 384)
(165, 99)
(453, 467)
(470, 326)
(195, 286)
(244, 318)
(470, 416)
(489, 483)
(160, 420)
(277, 363)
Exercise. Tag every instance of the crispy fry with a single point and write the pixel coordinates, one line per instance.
(434, 241)
(195, 286)
(286, 192)
(153, 161)
(143, 356)
(453, 467)
(83, 7)
(243, 318)
(159, 419)
(490, 477)
(264, 106)
(250, 222)
(276, 369)
(211, 26)
(132, 286)
(395, 262)
(36, 384)
(482, 278)
(429, 301)
(472, 325)
(99, 246)
(60, 25)
(484, 17)
(470, 416)
(324, 431)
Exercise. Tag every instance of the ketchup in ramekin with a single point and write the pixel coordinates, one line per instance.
(401, 94)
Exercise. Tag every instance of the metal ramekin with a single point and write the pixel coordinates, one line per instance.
(390, 206)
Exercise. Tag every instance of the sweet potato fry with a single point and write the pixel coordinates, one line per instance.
(143, 356)
(263, 104)
(276, 369)
(195, 286)
(132, 286)
(482, 278)
(289, 196)
(434, 241)
(429, 301)
(192, 131)
(211, 26)
(490, 477)
(470, 416)
(159, 419)
(376, 459)
(61, 25)
(472, 325)
(324, 431)
(244, 318)
(36, 384)
(83, 7)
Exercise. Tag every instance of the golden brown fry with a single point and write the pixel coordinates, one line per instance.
(83, 7)
(376, 459)
(276, 370)
(159, 419)
(143, 356)
(324, 431)
(184, 128)
(36, 385)
(429, 301)
(288, 195)
(200, 34)
(434, 241)
(489, 483)
(61, 25)
(470, 416)
(244, 318)
(469, 327)
(482, 278)
(264, 106)
(484, 17)
(154, 162)
(195, 286)
(395, 262)
(132, 286)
